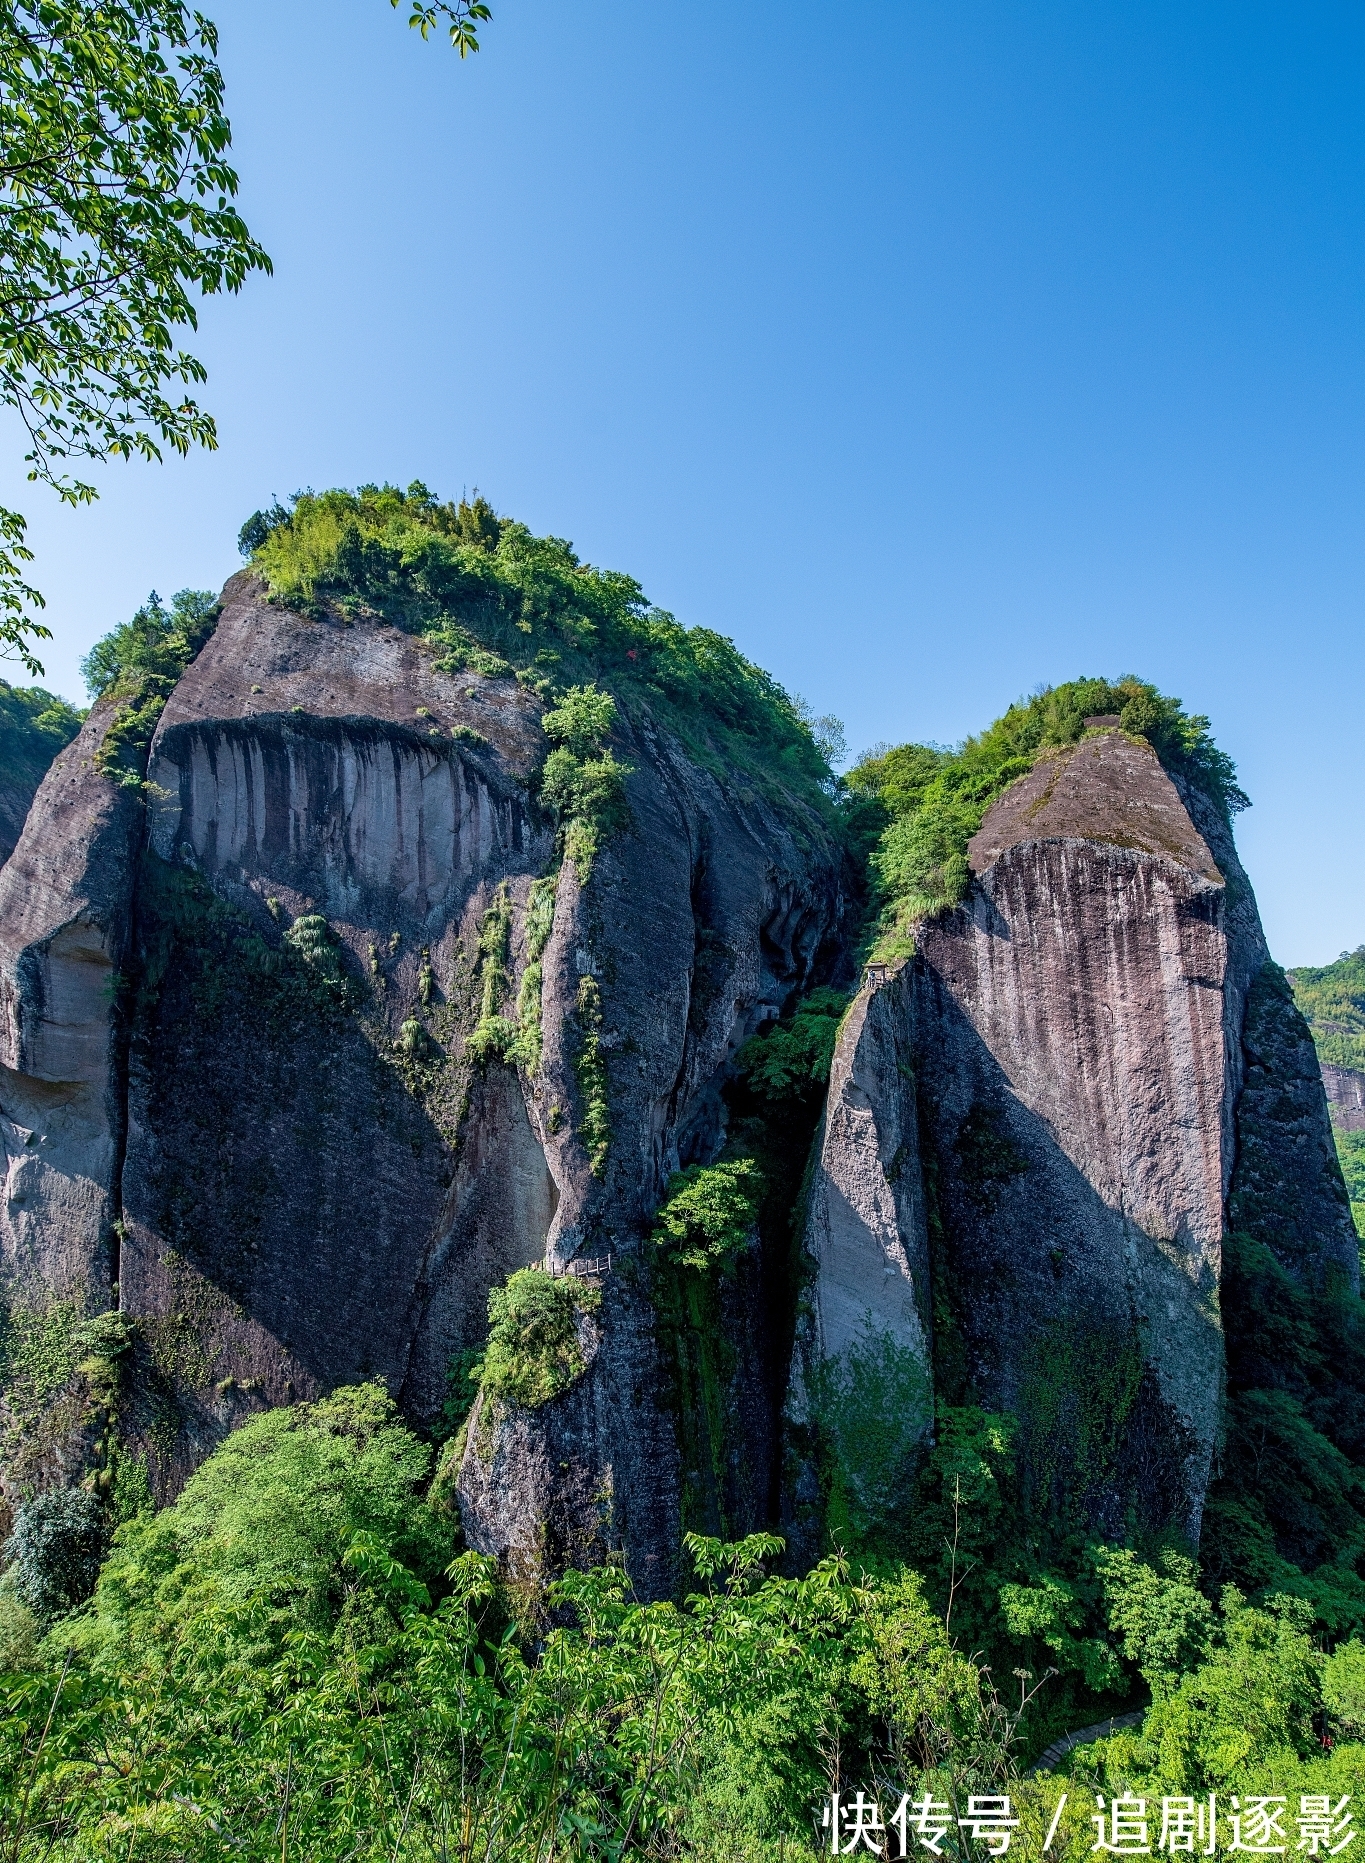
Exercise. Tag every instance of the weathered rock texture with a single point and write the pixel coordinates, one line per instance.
(1345, 1090)
(240, 1103)
(697, 926)
(16, 799)
(1106, 1070)
(271, 1147)
(862, 1373)
(65, 930)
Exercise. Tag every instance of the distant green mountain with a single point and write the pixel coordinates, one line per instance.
(1333, 1002)
(34, 726)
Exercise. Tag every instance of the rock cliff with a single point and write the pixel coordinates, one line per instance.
(312, 1036)
(1086, 1071)
(241, 1101)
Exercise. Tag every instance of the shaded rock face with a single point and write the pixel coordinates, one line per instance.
(65, 933)
(65, 929)
(1287, 1187)
(1075, 1015)
(860, 1398)
(1102, 1056)
(697, 926)
(1345, 1090)
(16, 799)
(238, 1097)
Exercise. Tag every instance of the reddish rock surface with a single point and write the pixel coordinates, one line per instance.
(1106, 1071)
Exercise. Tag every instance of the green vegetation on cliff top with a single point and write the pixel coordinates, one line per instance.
(914, 808)
(138, 664)
(493, 597)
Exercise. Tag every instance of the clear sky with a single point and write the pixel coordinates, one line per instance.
(931, 351)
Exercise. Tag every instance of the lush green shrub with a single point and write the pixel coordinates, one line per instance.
(53, 1555)
(1343, 1688)
(590, 1067)
(533, 1351)
(270, 1521)
(709, 1212)
(320, 948)
(20, 1631)
(792, 1057)
(587, 798)
(1249, 1703)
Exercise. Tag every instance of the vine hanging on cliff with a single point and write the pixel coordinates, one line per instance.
(594, 1128)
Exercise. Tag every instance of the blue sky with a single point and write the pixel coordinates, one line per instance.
(929, 350)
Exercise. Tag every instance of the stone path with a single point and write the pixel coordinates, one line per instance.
(1082, 1737)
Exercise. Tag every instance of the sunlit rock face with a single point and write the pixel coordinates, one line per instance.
(1074, 1065)
(237, 1139)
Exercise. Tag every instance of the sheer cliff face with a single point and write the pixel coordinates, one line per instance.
(239, 1102)
(1076, 1033)
(696, 926)
(65, 924)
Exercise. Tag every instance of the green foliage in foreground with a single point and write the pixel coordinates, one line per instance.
(494, 598)
(294, 1659)
(917, 807)
(34, 726)
(139, 663)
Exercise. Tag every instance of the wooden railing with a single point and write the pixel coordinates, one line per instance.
(582, 1266)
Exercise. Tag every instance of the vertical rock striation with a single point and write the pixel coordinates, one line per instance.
(247, 1099)
(1102, 1059)
(699, 924)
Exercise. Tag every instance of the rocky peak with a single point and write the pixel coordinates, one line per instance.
(1074, 1032)
(1109, 788)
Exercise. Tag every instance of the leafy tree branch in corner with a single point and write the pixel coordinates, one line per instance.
(116, 211)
